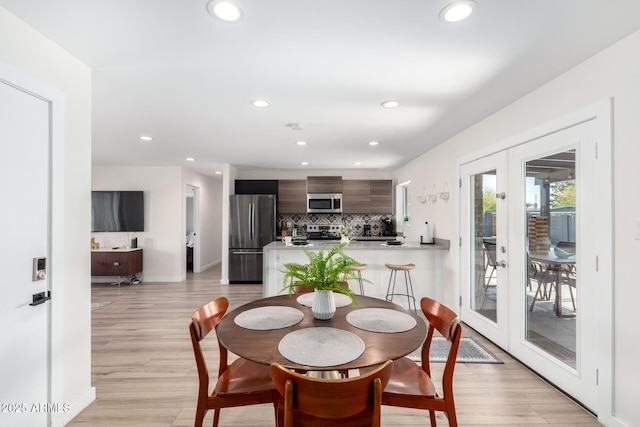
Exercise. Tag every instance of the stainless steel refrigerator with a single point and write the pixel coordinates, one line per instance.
(252, 225)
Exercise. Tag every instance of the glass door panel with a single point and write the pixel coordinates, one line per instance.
(552, 271)
(484, 283)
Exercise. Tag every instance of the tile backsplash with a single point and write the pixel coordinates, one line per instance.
(354, 220)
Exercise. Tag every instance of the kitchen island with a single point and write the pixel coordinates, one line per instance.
(426, 277)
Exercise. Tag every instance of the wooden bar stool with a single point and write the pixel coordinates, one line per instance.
(391, 290)
(359, 269)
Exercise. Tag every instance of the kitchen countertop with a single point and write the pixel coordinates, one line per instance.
(427, 276)
(440, 244)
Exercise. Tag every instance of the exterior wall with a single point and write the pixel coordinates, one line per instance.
(31, 55)
(613, 73)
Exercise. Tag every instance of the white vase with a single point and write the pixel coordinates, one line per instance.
(324, 305)
(344, 239)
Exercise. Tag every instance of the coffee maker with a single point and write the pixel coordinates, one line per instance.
(389, 227)
(366, 230)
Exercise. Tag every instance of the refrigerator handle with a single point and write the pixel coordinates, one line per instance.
(252, 219)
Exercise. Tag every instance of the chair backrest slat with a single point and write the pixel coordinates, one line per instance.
(332, 398)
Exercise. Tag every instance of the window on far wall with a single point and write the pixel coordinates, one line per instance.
(403, 203)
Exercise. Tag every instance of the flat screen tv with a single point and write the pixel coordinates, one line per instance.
(117, 211)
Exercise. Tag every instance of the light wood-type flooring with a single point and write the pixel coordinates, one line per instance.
(144, 371)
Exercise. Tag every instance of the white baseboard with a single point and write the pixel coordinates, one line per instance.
(210, 265)
(77, 406)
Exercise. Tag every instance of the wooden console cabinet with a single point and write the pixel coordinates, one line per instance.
(116, 262)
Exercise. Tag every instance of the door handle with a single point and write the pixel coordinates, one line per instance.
(40, 298)
(502, 264)
(247, 253)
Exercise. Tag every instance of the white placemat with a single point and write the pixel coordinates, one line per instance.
(307, 299)
(381, 320)
(321, 346)
(269, 317)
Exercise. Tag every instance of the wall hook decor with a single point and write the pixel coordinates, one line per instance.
(444, 195)
(423, 197)
(433, 197)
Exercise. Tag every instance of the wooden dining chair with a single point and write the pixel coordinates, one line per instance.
(411, 385)
(240, 383)
(310, 402)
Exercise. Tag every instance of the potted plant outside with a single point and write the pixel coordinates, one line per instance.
(327, 271)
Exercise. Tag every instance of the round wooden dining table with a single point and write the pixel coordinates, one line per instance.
(261, 346)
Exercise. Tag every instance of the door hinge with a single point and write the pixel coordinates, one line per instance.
(460, 183)
(460, 244)
(597, 377)
(597, 264)
(596, 150)
(460, 301)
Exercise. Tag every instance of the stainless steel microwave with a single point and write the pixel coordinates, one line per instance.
(324, 203)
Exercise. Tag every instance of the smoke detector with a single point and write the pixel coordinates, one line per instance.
(295, 126)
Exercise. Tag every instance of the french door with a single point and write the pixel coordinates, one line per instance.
(484, 212)
(532, 231)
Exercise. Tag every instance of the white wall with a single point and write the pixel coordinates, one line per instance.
(163, 239)
(615, 72)
(209, 237)
(303, 173)
(30, 54)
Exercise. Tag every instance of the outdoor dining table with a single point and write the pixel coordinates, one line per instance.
(554, 264)
(264, 329)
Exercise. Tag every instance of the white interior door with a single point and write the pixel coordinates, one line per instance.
(24, 227)
(484, 246)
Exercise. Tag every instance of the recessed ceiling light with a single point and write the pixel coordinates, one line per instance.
(260, 103)
(190, 159)
(390, 104)
(226, 10)
(373, 143)
(218, 172)
(356, 163)
(304, 163)
(301, 143)
(146, 138)
(457, 11)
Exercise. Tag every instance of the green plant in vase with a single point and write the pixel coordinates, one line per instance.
(327, 270)
(346, 233)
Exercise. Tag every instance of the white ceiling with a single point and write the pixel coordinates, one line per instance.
(166, 68)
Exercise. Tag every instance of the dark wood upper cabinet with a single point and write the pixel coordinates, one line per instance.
(324, 184)
(381, 196)
(359, 196)
(292, 196)
(356, 197)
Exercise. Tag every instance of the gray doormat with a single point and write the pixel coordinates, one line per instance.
(469, 351)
